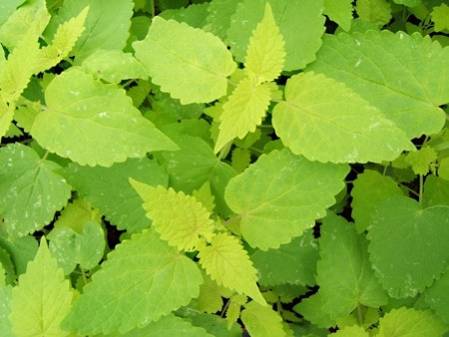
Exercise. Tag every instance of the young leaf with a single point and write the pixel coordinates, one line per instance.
(31, 190)
(42, 299)
(106, 27)
(266, 51)
(375, 11)
(407, 247)
(243, 111)
(300, 23)
(262, 321)
(63, 42)
(227, 263)
(440, 16)
(142, 280)
(344, 273)
(112, 128)
(324, 120)
(404, 322)
(173, 51)
(339, 11)
(405, 77)
(179, 219)
(281, 195)
(98, 184)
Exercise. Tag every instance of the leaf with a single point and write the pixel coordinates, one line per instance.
(352, 331)
(114, 66)
(32, 191)
(112, 128)
(403, 76)
(436, 192)
(63, 42)
(5, 311)
(174, 50)
(292, 263)
(437, 297)
(422, 160)
(219, 17)
(98, 184)
(194, 15)
(227, 263)
(262, 321)
(375, 11)
(42, 299)
(210, 299)
(243, 111)
(167, 326)
(179, 218)
(344, 272)
(107, 24)
(266, 51)
(440, 16)
(281, 195)
(407, 247)
(370, 188)
(311, 308)
(339, 11)
(409, 3)
(7, 8)
(324, 120)
(21, 250)
(300, 23)
(144, 278)
(404, 322)
(21, 64)
(193, 165)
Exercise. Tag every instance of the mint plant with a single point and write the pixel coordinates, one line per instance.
(224, 168)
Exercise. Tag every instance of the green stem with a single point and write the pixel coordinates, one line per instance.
(421, 186)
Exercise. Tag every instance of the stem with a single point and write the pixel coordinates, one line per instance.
(421, 186)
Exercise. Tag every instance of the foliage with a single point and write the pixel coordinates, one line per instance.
(224, 168)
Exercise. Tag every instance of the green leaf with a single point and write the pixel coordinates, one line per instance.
(440, 16)
(262, 321)
(107, 24)
(405, 322)
(311, 308)
(403, 76)
(112, 128)
(21, 250)
(5, 311)
(174, 50)
(293, 263)
(339, 11)
(243, 111)
(193, 165)
(300, 23)
(436, 192)
(114, 66)
(376, 11)
(296, 194)
(195, 15)
(266, 50)
(178, 218)
(437, 297)
(7, 8)
(167, 326)
(422, 160)
(42, 299)
(228, 264)
(407, 245)
(370, 188)
(210, 299)
(325, 120)
(2, 276)
(218, 20)
(352, 331)
(144, 278)
(215, 325)
(8, 273)
(408, 3)
(99, 184)
(344, 272)
(32, 191)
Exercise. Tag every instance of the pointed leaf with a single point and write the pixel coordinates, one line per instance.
(262, 321)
